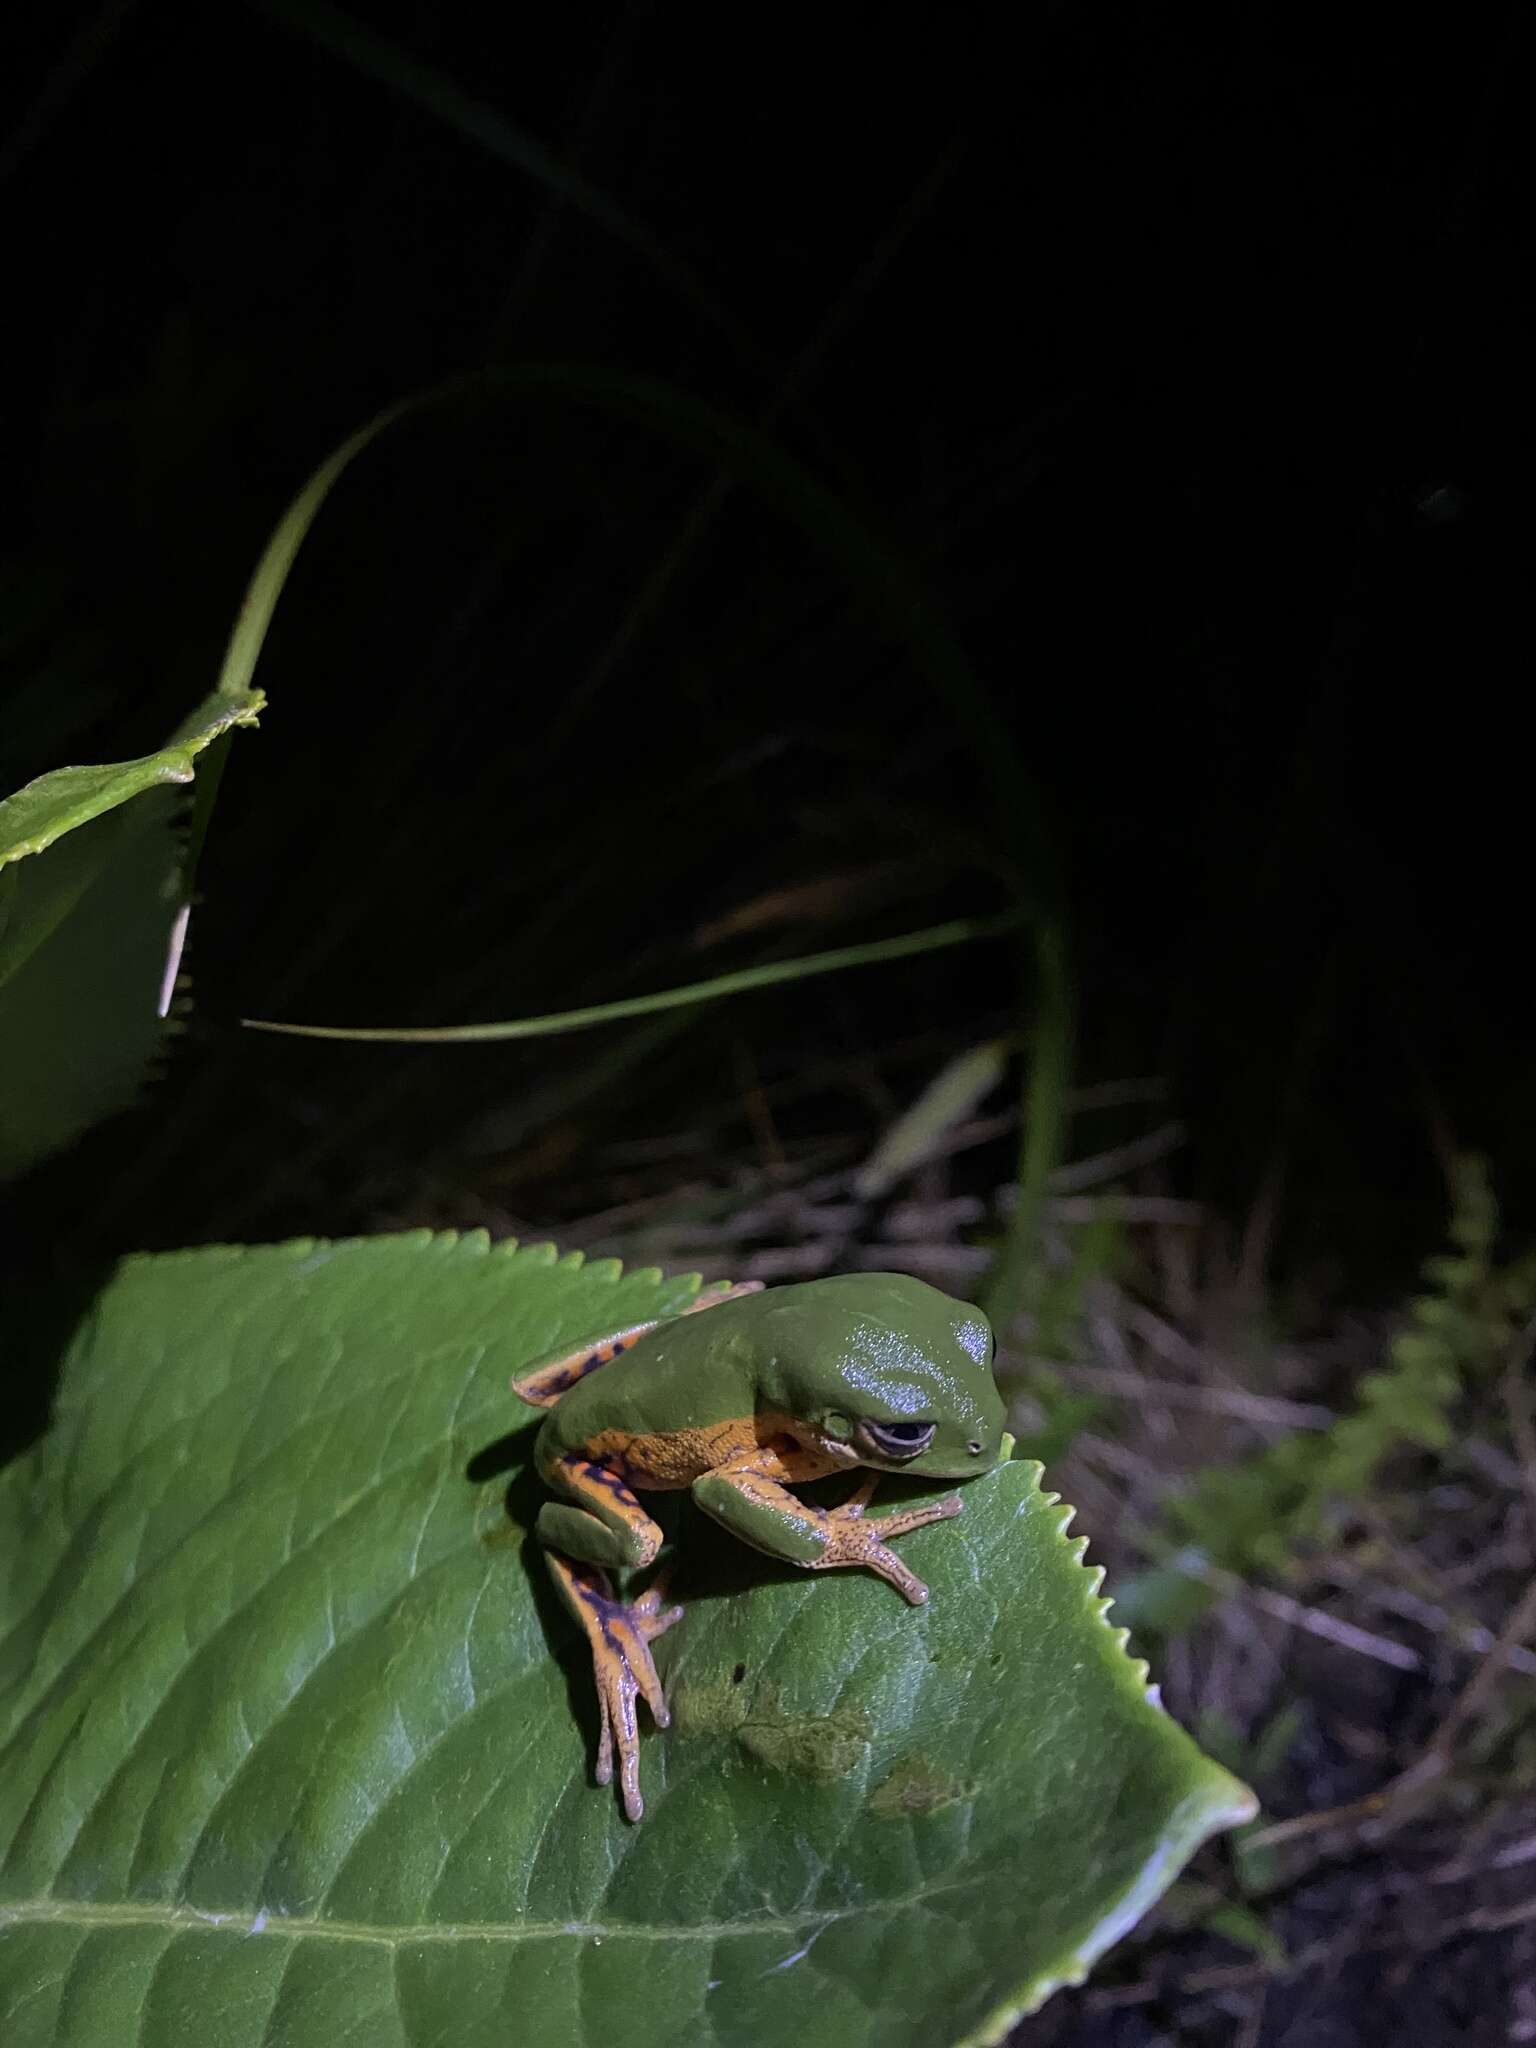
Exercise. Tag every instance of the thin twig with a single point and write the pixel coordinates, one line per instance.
(1264, 1409)
(1386, 1808)
(1102, 1166)
(1347, 1635)
(1477, 1691)
(1461, 1631)
(1463, 1869)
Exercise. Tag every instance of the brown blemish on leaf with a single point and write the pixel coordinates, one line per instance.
(913, 1788)
(819, 1746)
(716, 1707)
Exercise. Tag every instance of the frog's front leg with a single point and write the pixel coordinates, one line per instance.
(609, 1529)
(768, 1516)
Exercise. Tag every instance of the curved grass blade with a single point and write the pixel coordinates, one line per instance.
(962, 931)
(1031, 862)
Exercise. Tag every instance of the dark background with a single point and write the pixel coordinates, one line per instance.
(1176, 354)
(1178, 351)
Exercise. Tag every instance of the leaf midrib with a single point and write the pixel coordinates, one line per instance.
(182, 1919)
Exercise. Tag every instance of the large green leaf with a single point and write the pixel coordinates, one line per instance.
(295, 1744)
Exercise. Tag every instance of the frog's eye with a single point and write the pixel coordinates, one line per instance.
(898, 1439)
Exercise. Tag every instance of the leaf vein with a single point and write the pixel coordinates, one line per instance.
(184, 1919)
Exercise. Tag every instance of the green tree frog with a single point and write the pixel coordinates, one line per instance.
(767, 1391)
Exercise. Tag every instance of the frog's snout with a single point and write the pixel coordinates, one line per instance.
(985, 1449)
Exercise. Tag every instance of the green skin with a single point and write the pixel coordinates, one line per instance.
(738, 1403)
(864, 1346)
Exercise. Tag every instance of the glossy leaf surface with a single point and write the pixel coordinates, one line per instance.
(296, 1745)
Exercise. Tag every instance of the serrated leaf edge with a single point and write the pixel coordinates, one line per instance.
(1216, 1801)
(424, 1237)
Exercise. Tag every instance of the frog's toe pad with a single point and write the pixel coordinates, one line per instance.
(648, 1614)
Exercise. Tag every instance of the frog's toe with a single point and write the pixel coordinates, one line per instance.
(616, 1706)
(648, 1614)
(619, 1685)
(631, 1676)
(634, 1643)
(917, 1516)
(859, 1500)
(857, 1538)
(603, 1769)
(895, 1573)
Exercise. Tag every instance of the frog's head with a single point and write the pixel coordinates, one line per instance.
(890, 1372)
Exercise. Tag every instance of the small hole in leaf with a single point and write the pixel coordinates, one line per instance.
(738, 1674)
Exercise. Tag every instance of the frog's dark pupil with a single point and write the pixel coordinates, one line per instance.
(900, 1439)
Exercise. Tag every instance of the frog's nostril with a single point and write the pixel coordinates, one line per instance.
(975, 1448)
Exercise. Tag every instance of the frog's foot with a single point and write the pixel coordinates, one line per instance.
(620, 1633)
(856, 1538)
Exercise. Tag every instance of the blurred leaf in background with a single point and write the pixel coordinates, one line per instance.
(94, 879)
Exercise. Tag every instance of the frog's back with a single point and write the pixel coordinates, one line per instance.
(692, 1373)
(768, 1351)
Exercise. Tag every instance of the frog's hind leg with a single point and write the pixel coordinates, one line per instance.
(602, 1522)
(542, 1385)
(609, 1529)
(620, 1634)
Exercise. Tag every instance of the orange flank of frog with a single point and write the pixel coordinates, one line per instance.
(667, 1460)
